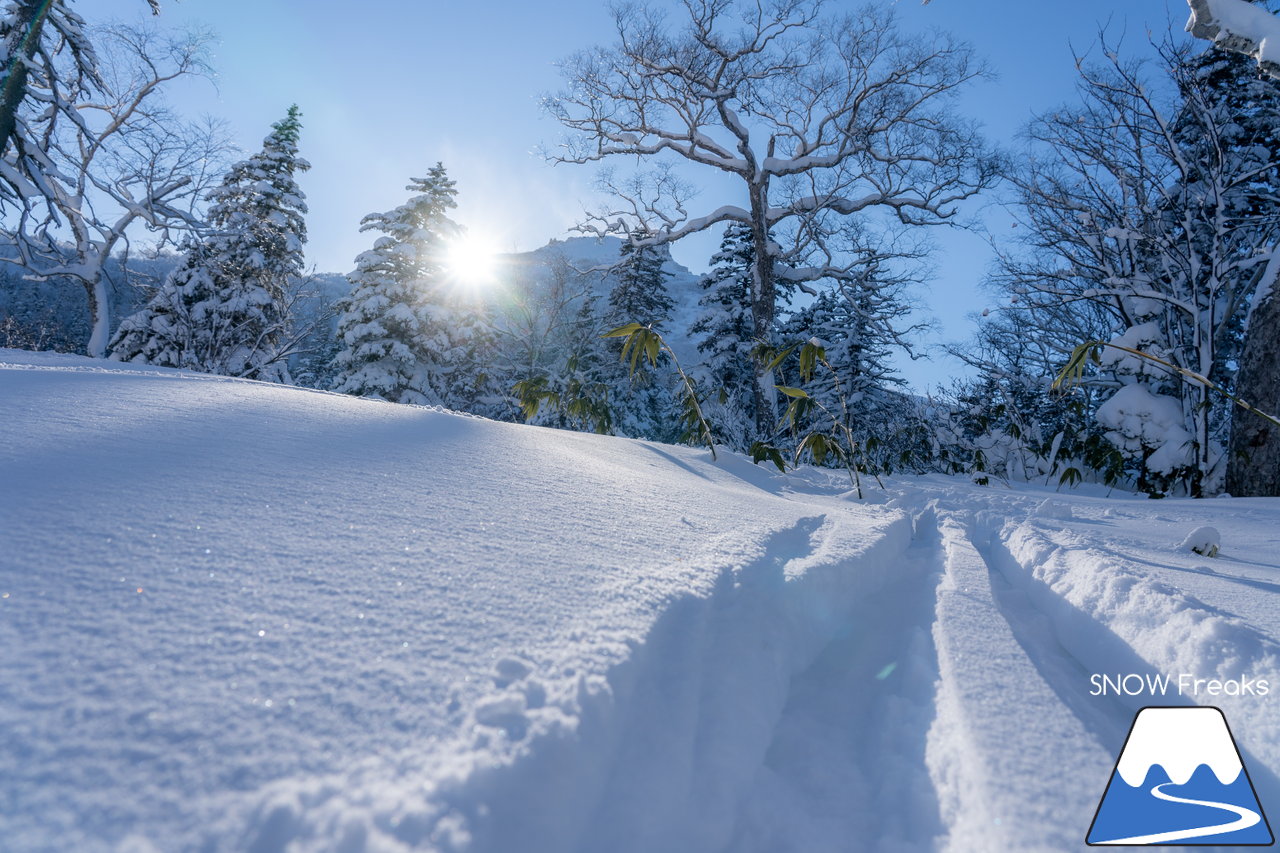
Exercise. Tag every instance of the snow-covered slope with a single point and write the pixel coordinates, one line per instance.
(252, 614)
(239, 616)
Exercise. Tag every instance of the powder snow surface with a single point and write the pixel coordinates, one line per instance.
(238, 616)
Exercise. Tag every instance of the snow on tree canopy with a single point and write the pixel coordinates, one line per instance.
(1239, 26)
(1139, 419)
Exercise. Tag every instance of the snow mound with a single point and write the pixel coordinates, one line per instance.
(1049, 508)
(239, 616)
(1206, 541)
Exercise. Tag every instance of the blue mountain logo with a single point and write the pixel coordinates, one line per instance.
(1180, 781)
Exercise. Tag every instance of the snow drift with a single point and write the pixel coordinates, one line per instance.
(243, 616)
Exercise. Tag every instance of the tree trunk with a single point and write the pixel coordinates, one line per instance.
(763, 304)
(22, 43)
(100, 312)
(1253, 467)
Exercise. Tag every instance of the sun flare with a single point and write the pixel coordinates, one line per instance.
(472, 260)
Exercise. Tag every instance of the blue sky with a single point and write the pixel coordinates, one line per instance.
(388, 87)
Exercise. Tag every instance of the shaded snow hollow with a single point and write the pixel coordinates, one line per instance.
(239, 616)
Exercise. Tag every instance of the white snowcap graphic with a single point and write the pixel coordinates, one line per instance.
(1179, 740)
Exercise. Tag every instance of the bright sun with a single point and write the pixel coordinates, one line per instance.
(472, 260)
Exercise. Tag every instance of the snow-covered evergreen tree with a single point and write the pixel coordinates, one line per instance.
(469, 378)
(642, 402)
(394, 329)
(227, 308)
(724, 333)
(640, 293)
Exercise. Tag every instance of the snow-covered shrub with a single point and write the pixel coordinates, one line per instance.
(1206, 541)
(1150, 427)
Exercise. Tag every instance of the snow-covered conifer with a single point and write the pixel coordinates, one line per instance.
(725, 339)
(640, 294)
(642, 402)
(394, 329)
(226, 308)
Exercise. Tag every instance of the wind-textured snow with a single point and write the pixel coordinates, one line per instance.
(241, 616)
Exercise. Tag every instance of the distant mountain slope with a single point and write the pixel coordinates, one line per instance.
(592, 258)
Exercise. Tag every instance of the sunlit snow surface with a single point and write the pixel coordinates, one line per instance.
(236, 616)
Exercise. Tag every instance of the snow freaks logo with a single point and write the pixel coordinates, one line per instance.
(1180, 781)
(1134, 684)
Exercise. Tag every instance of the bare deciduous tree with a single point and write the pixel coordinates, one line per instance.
(817, 118)
(1146, 211)
(113, 156)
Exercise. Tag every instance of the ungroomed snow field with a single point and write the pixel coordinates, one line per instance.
(243, 617)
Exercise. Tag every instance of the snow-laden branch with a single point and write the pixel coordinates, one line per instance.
(1240, 27)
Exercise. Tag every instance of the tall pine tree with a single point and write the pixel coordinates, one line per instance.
(226, 308)
(725, 338)
(394, 327)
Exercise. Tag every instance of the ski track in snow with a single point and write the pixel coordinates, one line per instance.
(244, 617)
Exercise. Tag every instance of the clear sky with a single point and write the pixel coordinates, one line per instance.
(388, 87)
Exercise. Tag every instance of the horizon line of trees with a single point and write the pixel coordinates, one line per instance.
(1149, 211)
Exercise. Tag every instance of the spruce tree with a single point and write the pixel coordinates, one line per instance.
(226, 308)
(642, 405)
(394, 328)
(725, 338)
(640, 294)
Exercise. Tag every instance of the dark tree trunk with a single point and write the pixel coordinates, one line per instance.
(21, 46)
(763, 305)
(1253, 467)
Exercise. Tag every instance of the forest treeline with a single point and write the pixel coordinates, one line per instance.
(1147, 213)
